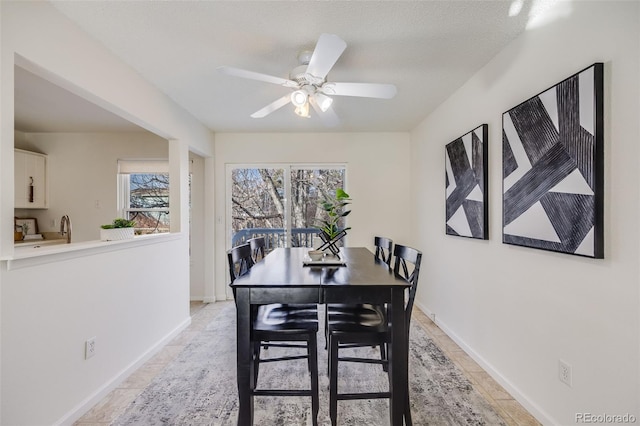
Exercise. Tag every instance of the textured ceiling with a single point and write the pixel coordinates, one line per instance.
(426, 48)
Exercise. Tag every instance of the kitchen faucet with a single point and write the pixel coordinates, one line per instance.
(66, 221)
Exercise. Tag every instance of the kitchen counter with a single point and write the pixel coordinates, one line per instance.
(32, 253)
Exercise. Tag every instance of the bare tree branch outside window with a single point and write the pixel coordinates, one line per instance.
(258, 198)
(149, 202)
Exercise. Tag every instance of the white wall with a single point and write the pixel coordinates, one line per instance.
(377, 179)
(82, 169)
(518, 310)
(49, 311)
(58, 305)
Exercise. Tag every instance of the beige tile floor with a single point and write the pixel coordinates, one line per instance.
(508, 408)
(114, 404)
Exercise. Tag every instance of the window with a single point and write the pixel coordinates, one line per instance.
(280, 203)
(144, 194)
(309, 186)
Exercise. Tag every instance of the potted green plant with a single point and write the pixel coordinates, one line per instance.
(119, 229)
(335, 209)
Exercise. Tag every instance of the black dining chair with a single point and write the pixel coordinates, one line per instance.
(383, 253)
(277, 325)
(384, 249)
(257, 248)
(371, 329)
(240, 261)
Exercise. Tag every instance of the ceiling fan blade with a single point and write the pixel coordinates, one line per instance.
(327, 51)
(237, 72)
(329, 117)
(277, 104)
(365, 90)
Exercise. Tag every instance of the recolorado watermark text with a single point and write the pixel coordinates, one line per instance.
(605, 418)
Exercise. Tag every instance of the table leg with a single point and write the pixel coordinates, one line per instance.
(244, 351)
(398, 357)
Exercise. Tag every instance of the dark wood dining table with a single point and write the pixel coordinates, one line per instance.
(282, 277)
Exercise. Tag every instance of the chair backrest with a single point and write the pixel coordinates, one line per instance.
(384, 249)
(407, 266)
(257, 248)
(240, 261)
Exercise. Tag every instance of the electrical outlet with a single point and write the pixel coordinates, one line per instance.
(90, 348)
(432, 316)
(564, 372)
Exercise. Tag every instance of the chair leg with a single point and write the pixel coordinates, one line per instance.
(407, 403)
(333, 379)
(256, 363)
(309, 361)
(383, 356)
(326, 326)
(326, 347)
(407, 410)
(313, 358)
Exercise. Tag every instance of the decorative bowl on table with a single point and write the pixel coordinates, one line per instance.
(316, 255)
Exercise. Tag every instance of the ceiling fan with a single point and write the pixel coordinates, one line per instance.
(309, 83)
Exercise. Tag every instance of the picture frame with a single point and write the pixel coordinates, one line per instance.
(553, 167)
(32, 222)
(466, 183)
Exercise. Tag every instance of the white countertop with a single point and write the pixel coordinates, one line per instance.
(38, 252)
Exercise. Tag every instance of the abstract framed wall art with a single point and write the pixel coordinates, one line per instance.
(466, 185)
(552, 168)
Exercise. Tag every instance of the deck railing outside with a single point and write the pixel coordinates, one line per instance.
(275, 237)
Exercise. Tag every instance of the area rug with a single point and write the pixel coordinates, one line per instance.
(199, 387)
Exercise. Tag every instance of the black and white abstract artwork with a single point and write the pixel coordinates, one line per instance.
(466, 185)
(552, 168)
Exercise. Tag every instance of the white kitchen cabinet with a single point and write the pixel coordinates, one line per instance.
(30, 174)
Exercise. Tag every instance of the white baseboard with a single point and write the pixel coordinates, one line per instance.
(82, 408)
(224, 296)
(211, 299)
(513, 390)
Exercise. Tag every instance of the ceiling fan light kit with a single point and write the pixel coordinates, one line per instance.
(310, 85)
(299, 98)
(303, 110)
(324, 102)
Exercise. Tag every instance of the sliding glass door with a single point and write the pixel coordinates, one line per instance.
(279, 203)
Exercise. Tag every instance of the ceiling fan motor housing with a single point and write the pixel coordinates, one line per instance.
(299, 75)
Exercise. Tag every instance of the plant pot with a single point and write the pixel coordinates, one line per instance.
(116, 234)
(17, 236)
(330, 244)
